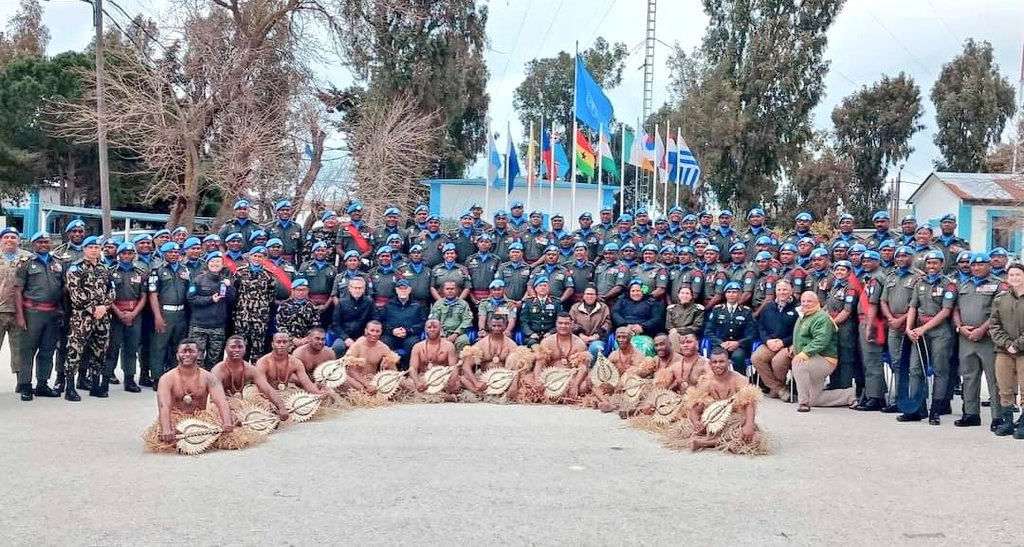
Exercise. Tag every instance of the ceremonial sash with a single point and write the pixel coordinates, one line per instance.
(364, 246)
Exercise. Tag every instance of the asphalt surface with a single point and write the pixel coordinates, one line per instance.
(460, 474)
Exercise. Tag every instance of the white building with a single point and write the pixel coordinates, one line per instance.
(989, 207)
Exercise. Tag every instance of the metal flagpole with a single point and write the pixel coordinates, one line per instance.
(679, 164)
(636, 168)
(531, 176)
(508, 156)
(654, 183)
(575, 130)
(600, 143)
(487, 177)
(622, 169)
(664, 199)
(551, 171)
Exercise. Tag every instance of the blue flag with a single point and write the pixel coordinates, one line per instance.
(493, 160)
(513, 166)
(592, 106)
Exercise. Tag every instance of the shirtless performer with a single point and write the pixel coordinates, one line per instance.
(436, 350)
(562, 346)
(690, 365)
(723, 383)
(369, 348)
(625, 358)
(494, 350)
(314, 351)
(282, 369)
(234, 374)
(186, 388)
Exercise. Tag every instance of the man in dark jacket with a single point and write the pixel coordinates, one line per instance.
(641, 313)
(353, 311)
(209, 299)
(775, 330)
(731, 325)
(402, 319)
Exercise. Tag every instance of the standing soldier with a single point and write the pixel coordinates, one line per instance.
(209, 298)
(168, 293)
(841, 297)
(320, 274)
(148, 261)
(241, 223)
(38, 298)
(418, 275)
(763, 282)
(91, 294)
(234, 257)
(284, 272)
(803, 228)
(534, 238)
(516, 221)
(931, 336)
(454, 314)
(255, 288)
(129, 279)
(383, 277)
(12, 256)
(356, 235)
(288, 231)
(581, 269)
(211, 243)
(908, 230)
(72, 249)
(449, 270)
(109, 256)
(872, 332)
(606, 228)
(756, 229)
(68, 252)
(653, 275)
(390, 227)
(431, 242)
(160, 237)
(326, 233)
(724, 237)
(502, 236)
(610, 276)
(179, 234)
(483, 266)
(881, 221)
(560, 282)
(948, 241)
(298, 315)
(977, 353)
(685, 274)
(846, 230)
(736, 270)
(515, 273)
(896, 295)
(193, 259)
(464, 238)
(416, 225)
(592, 238)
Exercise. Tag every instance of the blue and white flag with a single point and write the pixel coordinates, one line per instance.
(689, 169)
(592, 106)
(513, 165)
(493, 160)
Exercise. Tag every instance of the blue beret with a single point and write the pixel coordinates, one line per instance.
(908, 218)
(319, 245)
(649, 247)
(725, 213)
(256, 234)
(737, 247)
(214, 254)
(434, 217)
(300, 282)
(76, 223)
(142, 237)
(259, 249)
(611, 248)
(350, 254)
(700, 241)
(904, 250)
(625, 218)
(416, 249)
(606, 210)
(515, 246)
(661, 220)
(788, 247)
(393, 237)
(763, 255)
(703, 213)
(733, 286)
(807, 240)
(91, 240)
(385, 250)
(844, 263)
(211, 237)
(496, 284)
(675, 209)
(516, 205)
(191, 242)
(421, 209)
(840, 244)
(586, 215)
(979, 258)
(712, 248)
(274, 241)
(998, 251)
(485, 237)
(924, 227)
(845, 216)
(125, 247)
(579, 245)
(170, 246)
(550, 249)
(500, 213)
(281, 204)
(804, 216)
(880, 215)
(465, 214)
(241, 203)
(948, 217)
(476, 205)
(327, 214)
(9, 230)
(636, 281)
(392, 211)
(756, 211)
(935, 255)
(686, 249)
(448, 247)
(966, 256)
(818, 253)
(871, 255)
(540, 279)
(233, 236)
(858, 248)
(353, 207)
(180, 230)
(667, 249)
(627, 246)
(690, 218)
(887, 244)
(402, 282)
(764, 240)
(641, 211)
(161, 232)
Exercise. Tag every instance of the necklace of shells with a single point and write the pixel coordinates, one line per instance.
(187, 398)
(563, 355)
(432, 357)
(231, 386)
(495, 355)
(282, 380)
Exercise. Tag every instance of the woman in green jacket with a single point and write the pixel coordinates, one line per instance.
(814, 357)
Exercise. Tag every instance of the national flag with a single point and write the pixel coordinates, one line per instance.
(552, 152)
(493, 160)
(650, 152)
(604, 149)
(531, 175)
(671, 160)
(635, 147)
(585, 157)
(546, 153)
(513, 165)
(689, 169)
(592, 106)
(659, 154)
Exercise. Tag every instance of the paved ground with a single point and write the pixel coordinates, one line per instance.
(484, 475)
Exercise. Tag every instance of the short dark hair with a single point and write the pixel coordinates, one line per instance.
(234, 337)
(317, 330)
(562, 314)
(1015, 266)
(188, 341)
(719, 350)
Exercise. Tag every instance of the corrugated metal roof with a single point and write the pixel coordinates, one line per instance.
(986, 187)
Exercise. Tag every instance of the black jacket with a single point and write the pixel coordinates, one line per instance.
(410, 315)
(351, 316)
(647, 313)
(774, 323)
(204, 312)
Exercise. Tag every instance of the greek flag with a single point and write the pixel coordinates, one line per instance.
(689, 169)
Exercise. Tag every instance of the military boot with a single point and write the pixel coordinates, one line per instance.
(1007, 427)
(130, 386)
(59, 385)
(26, 391)
(1019, 432)
(145, 380)
(70, 394)
(83, 380)
(96, 387)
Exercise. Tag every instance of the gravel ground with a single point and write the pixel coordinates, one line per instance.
(486, 474)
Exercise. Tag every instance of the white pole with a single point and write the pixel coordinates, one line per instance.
(654, 183)
(487, 177)
(597, 159)
(636, 169)
(531, 178)
(508, 158)
(622, 169)
(551, 172)
(679, 163)
(664, 200)
(575, 131)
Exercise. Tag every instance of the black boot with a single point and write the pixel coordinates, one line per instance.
(112, 380)
(145, 380)
(43, 390)
(96, 387)
(1019, 432)
(130, 386)
(83, 381)
(60, 383)
(910, 417)
(70, 393)
(996, 422)
(968, 420)
(870, 404)
(891, 409)
(933, 416)
(26, 391)
(1007, 427)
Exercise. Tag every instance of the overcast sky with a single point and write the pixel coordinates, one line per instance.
(870, 38)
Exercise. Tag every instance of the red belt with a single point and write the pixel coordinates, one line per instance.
(125, 305)
(924, 319)
(319, 299)
(480, 294)
(41, 306)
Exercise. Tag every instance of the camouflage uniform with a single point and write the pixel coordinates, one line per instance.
(325, 235)
(255, 290)
(67, 253)
(8, 272)
(89, 286)
(297, 317)
(455, 317)
(209, 319)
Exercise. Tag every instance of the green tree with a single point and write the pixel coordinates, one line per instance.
(547, 87)
(973, 102)
(873, 127)
(745, 98)
(822, 180)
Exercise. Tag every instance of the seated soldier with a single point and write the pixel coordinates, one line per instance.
(234, 374)
(186, 389)
(435, 350)
(282, 369)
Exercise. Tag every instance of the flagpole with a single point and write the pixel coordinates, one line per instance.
(508, 154)
(679, 163)
(664, 201)
(597, 158)
(551, 171)
(654, 183)
(531, 177)
(636, 170)
(575, 131)
(487, 177)
(622, 168)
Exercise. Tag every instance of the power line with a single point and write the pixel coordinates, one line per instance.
(943, 20)
(896, 40)
(515, 44)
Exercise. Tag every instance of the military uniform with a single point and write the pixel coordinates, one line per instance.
(537, 318)
(129, 286)
(380, 235)
(348, 240)
(559, 278)
(297, 317)
(317, 235)
(876, 239)
(749, 238)
(724, 240)
(482, 270)
(873, 283)
(8, 275)
(291, 236)
(465, 243)
(341, 280)
(794, 237)
(607, 276)
(320, 276)
(445, 272)
(383, 281)
(283, 277)
(930, 297)
(243, 226)
(67, 253)
(455, 317)
(41, 281)
(654, 277)
(502, 240)
(739, 325)
(594, 241)
(974, 300)
(418, 276)
(209, 319)
(951, 246)
(170, 285)
(897, 292)
(255, 290)
(535, 240)
(796, 276)
(582, 273)
(743, 275)
(489, 307)
(432, 243)
(764, 288)
(516, 277)
(89, 286)
(842, 296)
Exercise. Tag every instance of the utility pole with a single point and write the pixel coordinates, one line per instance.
(649, 41)
(100, 119)
(1017, 116)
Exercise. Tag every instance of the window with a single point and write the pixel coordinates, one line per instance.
(1006, 231)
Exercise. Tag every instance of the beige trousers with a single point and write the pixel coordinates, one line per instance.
(810, 384)
(772, 366)
(1010, 377)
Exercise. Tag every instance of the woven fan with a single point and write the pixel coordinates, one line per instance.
(497, 380)
(604, 373)
(250, 391)
(387, 382)
(437, 378)
(556, 381)
(302, 405)
(633, 388)
(520, 359)
(471, 355)
(716, 415)
(194, 436)
(665, 403)
(331, 373)
(256, 418)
